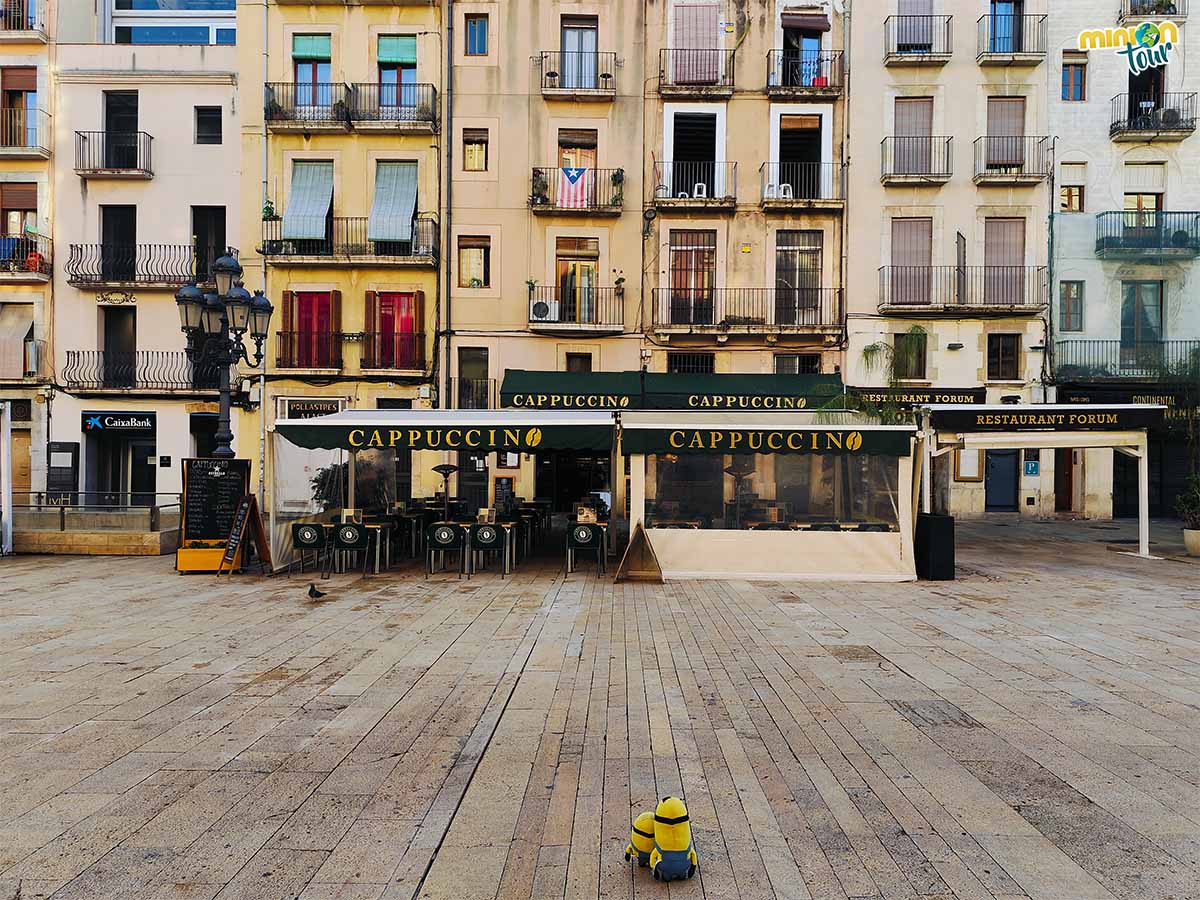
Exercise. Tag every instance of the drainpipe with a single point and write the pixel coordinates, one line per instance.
(449, 23)
(1048, 322)
(844, 262)
(262, 374)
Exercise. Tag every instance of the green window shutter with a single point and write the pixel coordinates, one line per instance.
(395, 202)
(400, 48)
(312, 46)
(309, 200)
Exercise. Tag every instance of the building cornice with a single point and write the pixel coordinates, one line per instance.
(123, 76)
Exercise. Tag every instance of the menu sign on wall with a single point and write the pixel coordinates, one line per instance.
(212, 490)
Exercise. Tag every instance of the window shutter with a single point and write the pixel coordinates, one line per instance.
(371, 312)
(1073, 174)
(17, 195)
(289, 311)
(401, 49)
(914, 116)
(335, 311)
(1145, 178)
(1006, 116)
(19, 78)
(418, 302)
(312, 46)
(912, 242)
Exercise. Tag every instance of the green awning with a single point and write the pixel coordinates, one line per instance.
(311, 46)
(395, 202)
(398, 48)
(812, 438)
(481, 430)
(308, 201)
(658, 390)
(1030, 417)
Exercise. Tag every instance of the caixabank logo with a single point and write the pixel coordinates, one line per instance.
(1145, 46)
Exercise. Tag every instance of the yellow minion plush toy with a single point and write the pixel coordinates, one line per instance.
(641, 839)
(673, 857)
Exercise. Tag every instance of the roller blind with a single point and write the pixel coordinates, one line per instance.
(1003, 242)
(309, 201)
(912, 242)
(19, 78)
(311, 46)
(1073, 174)
(1149, 178)
(395, 202)
(18, 195)
(398, 48)
(1006, 116)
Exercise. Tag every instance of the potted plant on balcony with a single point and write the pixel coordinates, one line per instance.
(1187, 506)
(540, 195)
(268, 212)
(618, 183)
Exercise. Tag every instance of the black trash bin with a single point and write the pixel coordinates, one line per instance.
(934, 547)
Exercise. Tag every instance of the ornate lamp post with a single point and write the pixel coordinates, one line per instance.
(215, 324)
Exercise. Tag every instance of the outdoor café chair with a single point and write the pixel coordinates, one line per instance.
(484, 538)
(587, 538)
(440, 538)
(352, 537)
(311, 537)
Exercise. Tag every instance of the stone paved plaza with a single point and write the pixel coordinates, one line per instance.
(1030, 730)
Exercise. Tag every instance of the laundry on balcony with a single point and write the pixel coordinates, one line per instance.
(15, 322)
(309, 202)
(395, 202)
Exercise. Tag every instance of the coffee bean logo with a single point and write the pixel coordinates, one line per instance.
(853, 441)
(533, 437)
(624, 402)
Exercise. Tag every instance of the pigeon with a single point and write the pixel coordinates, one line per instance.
(313, 593)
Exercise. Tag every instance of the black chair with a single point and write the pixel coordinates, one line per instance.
(311, 537)
(824, 526)
(441, 537)
(351, 537)
(873, 526)
(585, 538)
(484, 538)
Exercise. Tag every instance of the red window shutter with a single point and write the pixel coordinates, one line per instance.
(289, 310)
(335, 311)
(419, 311)
(372, 337)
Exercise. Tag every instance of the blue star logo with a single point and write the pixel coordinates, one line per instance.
(93, 422)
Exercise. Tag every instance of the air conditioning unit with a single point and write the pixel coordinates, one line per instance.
(543, 311)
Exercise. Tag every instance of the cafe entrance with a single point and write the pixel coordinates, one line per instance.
(570, 478)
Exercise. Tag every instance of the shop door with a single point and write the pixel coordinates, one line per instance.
(473, 480)
(143, 474)
(120, 347)
(1000, 488)
(21, 466)
(1064, 479)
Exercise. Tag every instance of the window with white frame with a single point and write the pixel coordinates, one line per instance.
(173, 21)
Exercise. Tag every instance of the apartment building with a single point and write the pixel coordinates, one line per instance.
(950, 185)
(1126, 232)
(26, 254)
(341, 148)
(146, 187)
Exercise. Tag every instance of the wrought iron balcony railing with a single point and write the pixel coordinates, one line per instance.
(114, 153)
(749, 309)
(23, 15)
(1085, 360)
(473, 393)
(800, 182)
(308, 350)
(917, 39)
(25, 255)
(695, 182)
(588, 71)
(1162, 115)
(801, 71)
(963, 289)
(577, 190)
(158, 370)
(1176, 10)
(401, 105)
(687, 70)
(393, 350)
(1013, 159)
(1138, 233)
(346, 236)
(577, 308)
(1007, 38)
(307, 104)
(142, 264)
(24, 130)
(917, 158)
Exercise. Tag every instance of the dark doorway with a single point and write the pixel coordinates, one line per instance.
(474, 387)
(801, 57)
(203, 427)
(208, 234)
(118, 249)
(120, 347)
(120, 129)
(1170, 465)
(694, 151)
(143, 473)
(1064, 479)
(473, 480)
(800, 155)
(1000, 487)
(568, 478)
(1145, 96)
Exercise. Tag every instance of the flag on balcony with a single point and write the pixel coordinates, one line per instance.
(572, 189)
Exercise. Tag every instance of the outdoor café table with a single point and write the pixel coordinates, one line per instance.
(414, 522)
(383, 532)
(510, 543)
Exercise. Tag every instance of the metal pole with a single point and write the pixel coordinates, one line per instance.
(1143, 495)
(224, 435)
(6, 498)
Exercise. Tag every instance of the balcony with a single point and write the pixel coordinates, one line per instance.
(969, 291)
(696, 186)
(593, 192)
(410, 108)
(307, 108)
(803, 186)
(918, 160)
(114, 154)
(346, 245)
(1091, 360)
(917, 40)
(24, 134)
(145, 266)
(580, 75)
(588, 310)
(695, 74)
(25, 259)
(1152, 117)
(796, 74)
(391, 351)
(23, 21)
(748, 310)
(1009, 40)
(1013, 160)
(139, 370)
(312, 350)
(1152, 10)
(473, 393)
(1148, 235)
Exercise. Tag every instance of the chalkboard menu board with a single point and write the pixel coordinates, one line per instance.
(212, 490)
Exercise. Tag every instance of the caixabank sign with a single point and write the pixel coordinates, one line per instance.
(127, 423)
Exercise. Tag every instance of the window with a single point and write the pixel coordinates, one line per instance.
(474, 262)
(798, 277)
(1070, 198)
(173, 21)
(1003, 356)
(1074, 81)
(475, 149)
(690, 363)
(577, 261)
(579, 362)
(578, 43)
(19, 124)
(19, 202)
(474, 388)
(397, 59)
(1141, 318)
(908, 355)
(1070, 306)
(477, 35)
(797, 363)
(393, 337)
(693, 263)
(310, 334)
(910, 278)
(311, 55)
(208, 124)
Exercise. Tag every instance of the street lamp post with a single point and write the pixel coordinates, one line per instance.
(215, 324)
